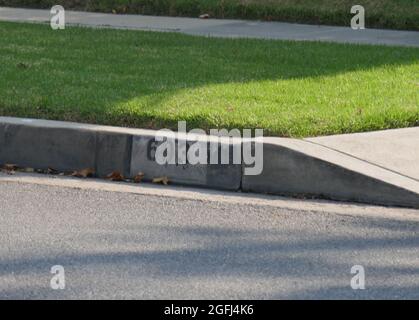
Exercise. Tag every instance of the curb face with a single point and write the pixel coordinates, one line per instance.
(296, 167)
(113, 153)
(41, 144)
(38, 147)
(227, 177)
(291, 166)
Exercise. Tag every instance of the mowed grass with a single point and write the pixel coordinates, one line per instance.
(153, 80)
(394, 14)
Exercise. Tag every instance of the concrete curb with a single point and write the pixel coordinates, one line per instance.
(291, 166)
(67, 146)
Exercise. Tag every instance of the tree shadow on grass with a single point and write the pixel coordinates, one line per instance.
(126, 77)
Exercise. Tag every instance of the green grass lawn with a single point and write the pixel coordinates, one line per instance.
(147, 79)
(396, 14)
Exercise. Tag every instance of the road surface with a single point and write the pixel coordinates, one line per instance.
(122, 241)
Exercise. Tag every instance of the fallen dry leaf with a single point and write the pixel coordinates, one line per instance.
(10, 167)
(139, 177)
(52, 171)
(163, 180)
(115, 176)
(88, 172)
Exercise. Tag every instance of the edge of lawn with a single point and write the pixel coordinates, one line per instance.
(157, 123)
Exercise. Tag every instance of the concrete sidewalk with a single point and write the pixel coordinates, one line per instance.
(395, 150)
(222, 28)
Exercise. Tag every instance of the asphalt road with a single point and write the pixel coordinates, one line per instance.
(173, 243)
